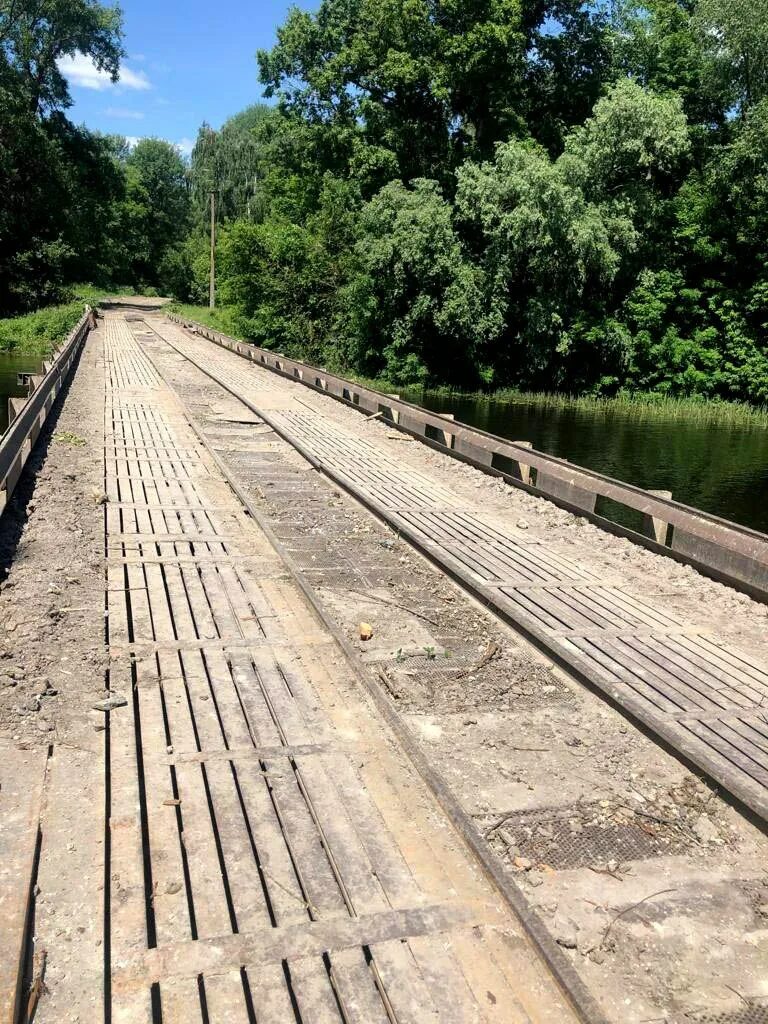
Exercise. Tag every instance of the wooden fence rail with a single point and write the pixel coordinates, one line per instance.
(721, 549)
(27, 415)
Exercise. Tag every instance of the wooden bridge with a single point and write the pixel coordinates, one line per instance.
(254, 822)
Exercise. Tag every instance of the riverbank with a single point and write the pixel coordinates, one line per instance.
(38, 334)
(710, 454)
(643, 404)
(709, 457)
(219, 319)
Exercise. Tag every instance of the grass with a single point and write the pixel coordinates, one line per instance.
(68, 437)
(39, 333)
(93, 294)
(219, 319)
(640, 405)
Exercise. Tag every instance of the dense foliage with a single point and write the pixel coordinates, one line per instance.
(536, 193)
(548, 194)
(76, 205)
(39, 332)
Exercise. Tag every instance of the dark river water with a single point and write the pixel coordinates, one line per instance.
(11, 364)
(721, 469)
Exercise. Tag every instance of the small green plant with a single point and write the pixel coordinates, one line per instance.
(430, 653)
(68, 437)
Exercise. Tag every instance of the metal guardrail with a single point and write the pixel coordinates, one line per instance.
(718, 548)
(27, 416)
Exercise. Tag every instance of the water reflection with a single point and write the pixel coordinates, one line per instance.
(11, 365)
(721, 469)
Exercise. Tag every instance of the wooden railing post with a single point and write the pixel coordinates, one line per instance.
(653, 527)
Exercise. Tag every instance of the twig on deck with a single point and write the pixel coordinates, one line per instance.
(634, 906)
(491, 651)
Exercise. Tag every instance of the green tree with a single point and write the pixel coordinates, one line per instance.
(735, 38)
(556, 239)
(284, 278)
(54, 178)
(35, 35)
(429, 83)
(231, 163)
(414, 306)
(659, 44)
(156, 212)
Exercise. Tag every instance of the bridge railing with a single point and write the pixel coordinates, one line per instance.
(26, 416)
(724, 550)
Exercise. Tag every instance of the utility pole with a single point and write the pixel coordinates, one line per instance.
(212, 290)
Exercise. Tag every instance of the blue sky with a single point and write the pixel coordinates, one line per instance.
(188, 61)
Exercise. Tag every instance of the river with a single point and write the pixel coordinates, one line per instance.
(12, 364)
(722, 469)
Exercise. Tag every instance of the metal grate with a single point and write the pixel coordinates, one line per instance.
(454, 684)
(754, 1013)
(336, 579)
(583, 835)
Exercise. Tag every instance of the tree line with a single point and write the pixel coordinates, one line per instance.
(75, 205)
(544, 194)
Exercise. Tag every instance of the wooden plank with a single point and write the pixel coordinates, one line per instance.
(385, 856)
(401, 981)
(128, 910)
(313, 991)
(225, 999)
(22, 775)
(356, 988)
(361, 884)
(180, 1001)
(305, 843)
(270, 995)
(287, 902)
(498, 997)
(441, 971)
(71, 881)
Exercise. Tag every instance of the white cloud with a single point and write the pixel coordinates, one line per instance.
(184, 146)
(81, 71)
(125, 112)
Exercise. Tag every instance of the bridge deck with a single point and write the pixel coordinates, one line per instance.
(248, 839)
(272, 856)
(703, 696)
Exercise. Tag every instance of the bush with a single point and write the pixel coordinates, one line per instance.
(39, 333)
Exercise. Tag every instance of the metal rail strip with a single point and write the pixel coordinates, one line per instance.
(750, 793)
(18, 440)
(718, 548)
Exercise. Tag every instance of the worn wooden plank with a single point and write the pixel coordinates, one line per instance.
(270, 995)
(313, 991)
(180, 1001)
(225, 998)
(401, 981)
(22, 774)
(356, 989)
(71, 883)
